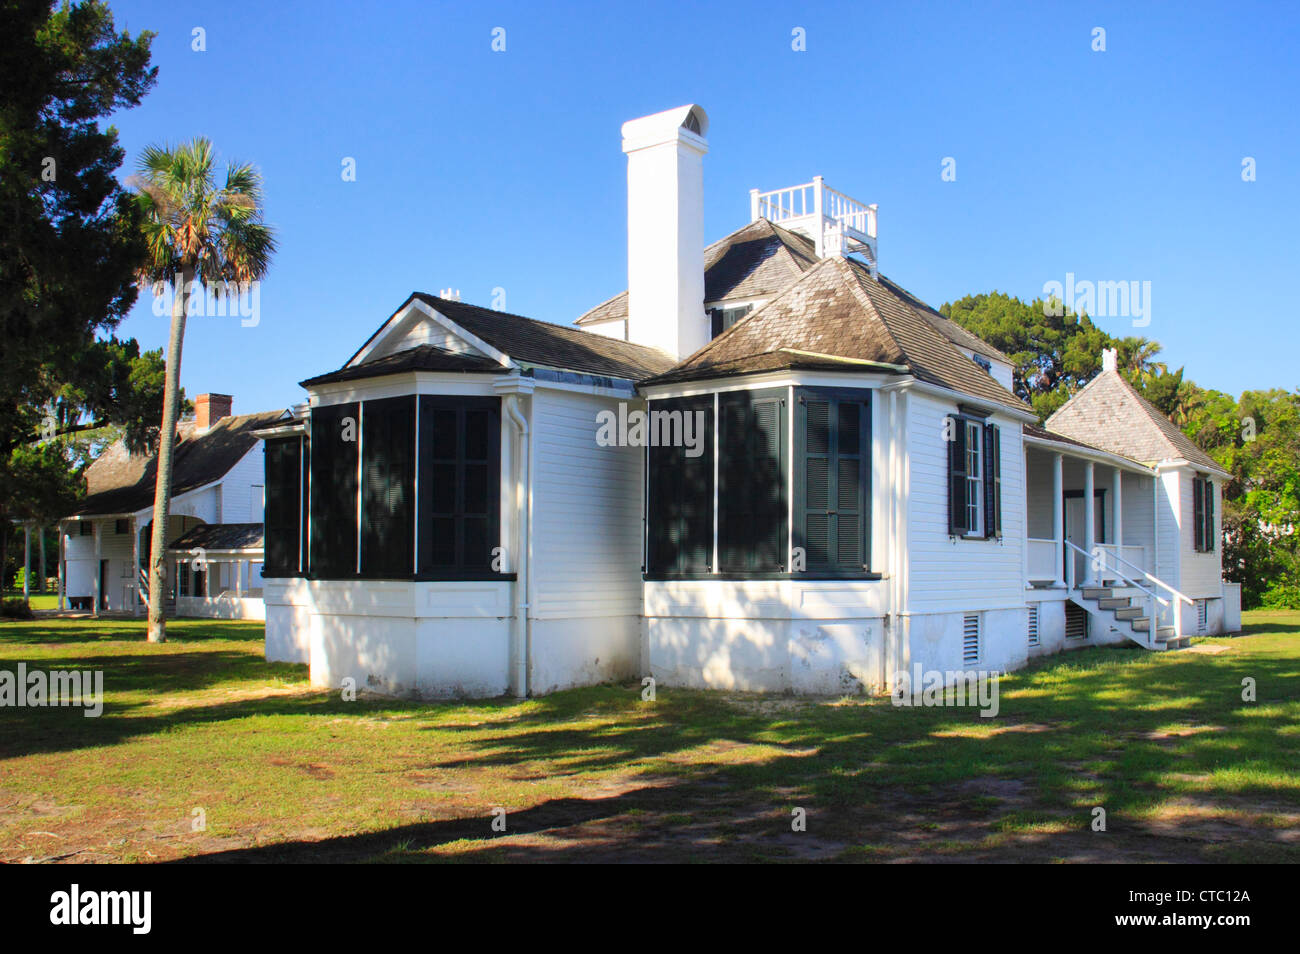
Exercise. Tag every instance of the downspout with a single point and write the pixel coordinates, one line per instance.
(520, 650)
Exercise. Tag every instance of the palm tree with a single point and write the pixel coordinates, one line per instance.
(197, 235)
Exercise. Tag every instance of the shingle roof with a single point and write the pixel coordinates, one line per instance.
(1111, 415)
(533, 342)
(420, 358)
(119, 482)
(220, 536)
(838, 310)
(757, 261)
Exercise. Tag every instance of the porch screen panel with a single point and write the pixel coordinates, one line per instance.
(335, 434)
(388, 488)
(460, 485)
(283, 488)
(833, 478)
(679, 494)
(752, 504)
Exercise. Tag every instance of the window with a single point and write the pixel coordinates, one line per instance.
(86, 528)
(970, 639)
(974, 478)
(720, 319)
(334, 453)
(122, 526)
(679, 495)
(1203, 533)
(1033, 625)
(459, 485)
(284, 499)
(832, 481)
(388, 487)
(984, 363)
(752, 505)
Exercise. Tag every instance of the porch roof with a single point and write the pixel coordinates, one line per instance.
(1035, 435)
(221, 538)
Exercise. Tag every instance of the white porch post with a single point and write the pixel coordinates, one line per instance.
(135, 566)
(41, 578)
(1058, 516)
(1117, 510)
(63, 587)
(1089, 520)
(95, 570)
(27, 561)
(239, 578)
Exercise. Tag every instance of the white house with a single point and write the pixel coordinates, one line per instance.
(215, 522)
(765, 466)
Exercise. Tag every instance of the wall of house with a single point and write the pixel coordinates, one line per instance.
(586, 545)
(414, 639)
(1201, 573)
(1038, 490)
(949, 578)
(822, 637)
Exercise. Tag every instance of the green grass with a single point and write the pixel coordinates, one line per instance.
(37, 601)
(202, 726)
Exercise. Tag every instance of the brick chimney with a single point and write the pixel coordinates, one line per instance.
(210, 408)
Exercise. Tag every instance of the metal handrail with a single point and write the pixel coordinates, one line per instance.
(1154, 579)
(1153, 622)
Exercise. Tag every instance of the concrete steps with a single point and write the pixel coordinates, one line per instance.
(1115, 608)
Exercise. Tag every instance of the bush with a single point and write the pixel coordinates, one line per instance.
(15, 609)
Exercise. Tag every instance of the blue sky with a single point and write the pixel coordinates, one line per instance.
(478, 169)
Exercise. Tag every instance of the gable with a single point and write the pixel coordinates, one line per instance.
(1110, 414)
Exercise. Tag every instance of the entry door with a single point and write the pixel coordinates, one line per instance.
(1075, 530)
(103, 584)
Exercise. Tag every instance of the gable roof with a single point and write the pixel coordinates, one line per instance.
(1110, 414)
(419, 358)
(120, 482)
(524, 340)
(838, 311)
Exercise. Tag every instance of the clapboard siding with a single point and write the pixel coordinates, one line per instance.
(239, 503)
(947, 575)
(1202, 573)
(586, 512)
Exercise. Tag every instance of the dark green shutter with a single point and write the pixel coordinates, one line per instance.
(283, 512)
(752, 507)
(388, 488)
(460, 485)
(992, 481)
(679, 496)
(833, 498)
(334, 490)
(1198, 512)
(957, 523)
(1209, 515)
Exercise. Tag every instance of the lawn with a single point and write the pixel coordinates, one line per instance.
(205, 751)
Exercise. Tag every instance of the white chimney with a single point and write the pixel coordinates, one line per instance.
(1109, 359)
(665, 229)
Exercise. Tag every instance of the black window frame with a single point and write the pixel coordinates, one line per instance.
(672, 514)
(1203, 528)
(388, 482)
(835, 398)
(284, 465)
(334, 492)
(462, 567)
(753, 525)
(990, 477)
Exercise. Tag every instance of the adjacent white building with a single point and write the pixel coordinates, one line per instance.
(764, 466)
(215, 522)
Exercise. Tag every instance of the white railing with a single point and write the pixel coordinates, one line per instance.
(813, 209)
(1098, 561)
(1042, 560)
